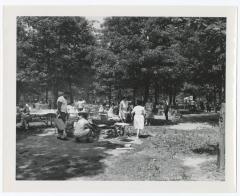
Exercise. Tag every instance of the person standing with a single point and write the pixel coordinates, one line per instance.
(166, 109)
(202, 106)
(208, 107)
(129, 112)
(149, 111)
(123, 109)
(62, 115)
(138, 122)
(25, 117)
(110, 111)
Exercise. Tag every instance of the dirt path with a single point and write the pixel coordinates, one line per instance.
(186, 151)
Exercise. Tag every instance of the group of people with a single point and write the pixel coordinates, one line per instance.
(141, 115)
(125, 111)
(82, 128)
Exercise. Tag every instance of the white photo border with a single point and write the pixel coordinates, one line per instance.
(9, 100)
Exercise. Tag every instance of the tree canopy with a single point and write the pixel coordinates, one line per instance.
(134, 56)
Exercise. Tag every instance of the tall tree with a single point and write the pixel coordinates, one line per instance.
(58, 47)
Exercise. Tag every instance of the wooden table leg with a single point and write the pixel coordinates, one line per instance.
(51, 121)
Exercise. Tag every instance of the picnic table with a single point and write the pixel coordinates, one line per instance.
(45, 115)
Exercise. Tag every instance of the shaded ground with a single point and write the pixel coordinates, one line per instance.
(183, 151)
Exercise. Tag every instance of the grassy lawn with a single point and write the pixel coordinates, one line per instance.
(183, 151)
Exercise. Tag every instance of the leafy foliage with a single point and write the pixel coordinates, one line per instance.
(52, 51)
(147, 56)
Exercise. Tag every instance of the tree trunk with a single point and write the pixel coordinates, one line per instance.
(119, 95)
(170, 99)
(174, 99)
(221, 143)
(55, 86)
(170, 95)
(88, 96)
(55, 94)
(46, 96)
(18, 96)
(214, 99)
(156, 92)
(18, 92)
(110, 94)
(220, 95)
(70, 89)
(134, 95)
(146, 92)
(174, 95)
(223, 89)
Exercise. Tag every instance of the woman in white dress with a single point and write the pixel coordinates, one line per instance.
(139, 113)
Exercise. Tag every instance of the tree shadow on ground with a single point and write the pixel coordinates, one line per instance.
(106, 122)
(125, 139)
(21, 133)
(107, 145)
(209, 149)
(61, 168)
(61, 160)
(212, 119)
(145, 136)
(160, 122)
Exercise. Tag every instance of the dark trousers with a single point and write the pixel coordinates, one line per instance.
(166, 114)
(62, 116)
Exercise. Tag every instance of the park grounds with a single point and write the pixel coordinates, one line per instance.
(182, 150)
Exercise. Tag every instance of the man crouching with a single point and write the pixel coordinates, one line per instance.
(83, 129)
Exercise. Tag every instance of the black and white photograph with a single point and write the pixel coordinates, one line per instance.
(120, 98)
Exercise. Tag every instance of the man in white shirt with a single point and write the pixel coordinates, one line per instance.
(62, 115)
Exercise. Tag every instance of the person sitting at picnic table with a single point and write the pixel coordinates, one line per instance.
(62, 115)
(81, 104)
(123, 109)
(139, 113)
(25, 116)
(82, 128)
(101, 109)
(149, 111)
